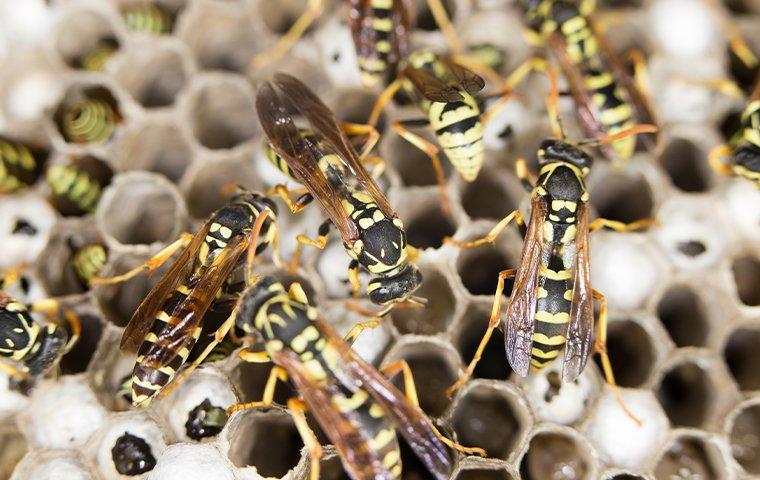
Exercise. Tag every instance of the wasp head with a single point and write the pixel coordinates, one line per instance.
(552, 151)
(385, 290)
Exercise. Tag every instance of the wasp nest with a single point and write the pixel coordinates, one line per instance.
(173, 79)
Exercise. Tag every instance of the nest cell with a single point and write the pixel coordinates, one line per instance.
(484, 474)
(690, 457)
(437, 314)
(683, 315)
(206, 183)
(426, 229)
(155, 146)
(78, 358)
(425, 19)
(556, 455)
(153, 76)
(479, 269)
(85, 39)
(686, 165)
(253, 437)
(623, 197)
(493, 363)
(742, 354)
(487, 197)
(631, 353)
(412, 164)
(355, 106)
(222, 113)
(746, 270)
(192, 462)
(686, 394)
(744, 430)
(88, 114)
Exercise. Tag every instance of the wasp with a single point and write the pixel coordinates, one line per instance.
(28, 343)
(88, 261)
(607, 98)
(89, 120)
(76, 186)
(95, 59)
(148, 18)
(20, 165)
(205, 275)
(332, 172)
(356, 406)
(551, 307)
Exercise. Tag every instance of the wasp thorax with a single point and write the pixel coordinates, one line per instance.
(552, 151)
(385, 290)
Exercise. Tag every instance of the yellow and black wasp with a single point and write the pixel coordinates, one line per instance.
(148, 17)
(356, 407)
(33, 347)
(76, 186)
(607, 99)
(88, 260)
(551, 307)
(20, 164)
(209, 273)
(331, 171)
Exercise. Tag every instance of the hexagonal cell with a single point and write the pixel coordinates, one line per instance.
(437, 314)
(686, 394)
(222, 112)
(426, 229)
(479, 269)
(53, 464)
(743, 431)
(153, 17)
(355, 106)
(220, 36)
(625, 476)
(279, 16)
(690, 457)
(193, 462)
(631, 352)
(253, 435)
(250, 379)
(207, 180)
(88, 114)
(484, 474)
(434, 367)
(129, 445)
(78, 358)
(683, 314)
(742, 354)
(493, 362)
(412, 164)
(153, 74)
(196, 409)
(556, 455)
(85, 39)
(124, 218)
(77, 184)
(622, 197)
(488, 197)
(331, 468)
(156, 146)
(118, 302)
(425, 19)
(686, 165)
(26, 222)
(491, 418)
(746, 270)
(553, 400)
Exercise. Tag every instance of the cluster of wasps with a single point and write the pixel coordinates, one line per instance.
(551, 306)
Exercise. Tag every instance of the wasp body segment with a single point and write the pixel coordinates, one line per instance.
(745, 159)
(88, 261)
(20, 165)
(76, 186)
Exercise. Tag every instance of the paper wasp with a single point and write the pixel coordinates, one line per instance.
(26, 342)
(209, 273)
(76, 187)
(88, 261)
(20, 165)
(353, 403)
(90, 119)
(607, 99)
(551, 306)
(331, 171)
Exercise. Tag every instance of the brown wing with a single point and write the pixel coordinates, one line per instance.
(520, 316)
(640, 103)
(359, 459)
(302, 157)
(468, 80)
(179, 272)
(431, 87)
(325, 124)
(194, 306)
(407, 418)
(581, 327)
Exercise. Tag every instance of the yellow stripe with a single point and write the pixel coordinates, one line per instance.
(383, 438)
(557, 318)
(391, 458)
(599, 81)
(382, 24)
(553, 275)
(615, 115)
(549, 341)
(550, 355)
(146, 385)
(538, 365)
(347, 404)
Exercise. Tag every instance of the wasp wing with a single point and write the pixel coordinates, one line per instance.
(325, 124)
(468, 80)
(431, 87)
(302, 156)
(193, 306)
(409, 419)
(581, 326)
(520, 316)
(359, 459)
(179, 272)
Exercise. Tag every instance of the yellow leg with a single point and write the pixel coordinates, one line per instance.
(50, 308)
(491, 236)
(152, 264)
(285, 193)
(493, 322)
(523, 174)
(444, 23)
(533, 64)
(353, 278)
(614, 137)
(600, 346)
(489, 114)
(376, 164)
(250, 278)
(356, 129)
(640, 71)
(716, 157)
(383, 100)
(620, 226)
(297, 411)
(391, 370)
(255, 357)
(286, 42)
(734, 36)
(431, 151)
(275, 374)
(13, 371)
(357, 329)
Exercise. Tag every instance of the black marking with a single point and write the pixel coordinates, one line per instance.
(132, 455)
(22, 227)
(205, 420)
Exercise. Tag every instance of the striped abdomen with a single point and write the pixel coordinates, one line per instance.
(19, 166)
(75, 186)
(373, 63)
(616, 113)
(552, 312)
(148, 377)
(459, 132)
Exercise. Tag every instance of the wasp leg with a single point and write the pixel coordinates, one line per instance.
(600, 346)
(733, 34)
(297, 411)
(489, 114)
(250, 278)
(431, 151)
(286, 42)
(321, 241)
(523, 174)
(356, 129)
(277, 373)
(640, 70)
(295, 206)
(410, 391)
(715, 158)
(533, 64)
(353, 278)
(491, 236)
(255, 357)
(151, 264)
(620, 226)
(493, 322)
(357, 329)
(377, 165)
(385, 97)
(50, 308)
(13, 371)
(444, 23)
